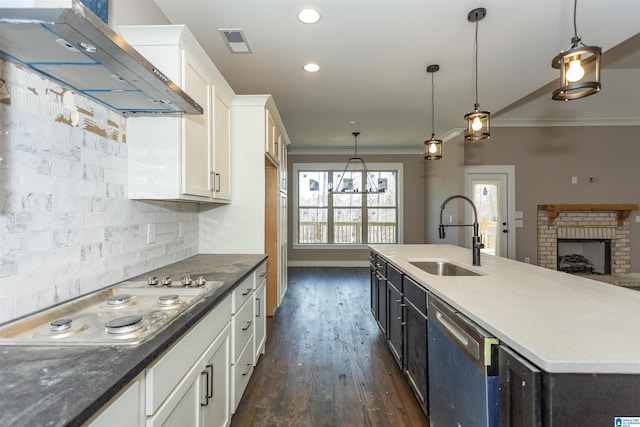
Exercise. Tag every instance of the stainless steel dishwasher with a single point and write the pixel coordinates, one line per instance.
(463, 370)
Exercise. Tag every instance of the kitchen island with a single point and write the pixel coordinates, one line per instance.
(578, 336)
(67, 385)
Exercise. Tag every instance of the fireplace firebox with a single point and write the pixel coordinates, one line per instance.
(584, 256)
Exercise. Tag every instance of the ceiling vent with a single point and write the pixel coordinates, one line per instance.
(235, 41)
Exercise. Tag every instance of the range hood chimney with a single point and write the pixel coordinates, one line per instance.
(65, 41)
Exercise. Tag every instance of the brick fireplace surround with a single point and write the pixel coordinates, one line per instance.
(585, 222)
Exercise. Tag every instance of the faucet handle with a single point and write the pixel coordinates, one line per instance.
(441, 231)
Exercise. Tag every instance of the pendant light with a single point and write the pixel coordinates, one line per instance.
(433, 147)
(345, 186)
(579, 68)
(477, 120)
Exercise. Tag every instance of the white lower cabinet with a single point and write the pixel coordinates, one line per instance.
(202, 397)
(242, 326)
(260, 321)
(124, 410)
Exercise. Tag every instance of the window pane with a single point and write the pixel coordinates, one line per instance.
(347, 225)
(382, 225)
(312, 226)
(312, 188)
(386, 183)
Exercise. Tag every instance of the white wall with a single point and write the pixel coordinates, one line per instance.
(66, 227)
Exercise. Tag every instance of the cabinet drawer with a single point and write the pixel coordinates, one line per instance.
(261, 274)
(394, 276)
(381, 265)
(163, 376)
(241, 293)
(416, 294)
(242, 330)
(240, 374)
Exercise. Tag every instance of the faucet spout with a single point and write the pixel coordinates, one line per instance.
(476, 241)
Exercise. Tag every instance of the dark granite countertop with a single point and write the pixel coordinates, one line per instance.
(65, 386)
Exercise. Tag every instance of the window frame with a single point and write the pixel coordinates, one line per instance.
(328, 167)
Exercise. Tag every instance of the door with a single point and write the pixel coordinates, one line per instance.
(492, 189)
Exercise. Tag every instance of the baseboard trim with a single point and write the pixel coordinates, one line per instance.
(332, 263)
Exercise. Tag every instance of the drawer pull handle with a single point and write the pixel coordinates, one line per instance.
(249, 322)
(244, 374)
(264, 273)
(258, 307)
(210, 385)
(247, 292)
(206, 388)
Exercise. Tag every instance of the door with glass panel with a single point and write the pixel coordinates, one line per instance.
(490, 192)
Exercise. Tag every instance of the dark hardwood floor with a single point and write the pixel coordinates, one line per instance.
(326, 361)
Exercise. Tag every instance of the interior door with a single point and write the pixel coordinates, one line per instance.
(493, 194)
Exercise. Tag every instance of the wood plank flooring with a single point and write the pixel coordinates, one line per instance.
(326, 361)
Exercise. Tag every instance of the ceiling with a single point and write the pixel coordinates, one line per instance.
(373, 56)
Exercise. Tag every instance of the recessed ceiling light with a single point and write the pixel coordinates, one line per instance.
(308, 16)
(311, 68)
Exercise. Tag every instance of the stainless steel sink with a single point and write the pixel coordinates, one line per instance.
(443, 268)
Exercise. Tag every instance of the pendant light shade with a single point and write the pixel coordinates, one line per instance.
(579, 68)
(433, 147)
(478, 126)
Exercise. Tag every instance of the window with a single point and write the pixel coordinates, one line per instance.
(346, 217)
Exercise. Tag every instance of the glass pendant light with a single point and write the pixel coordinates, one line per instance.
(579, 68)
(477, 120)
(433, 147)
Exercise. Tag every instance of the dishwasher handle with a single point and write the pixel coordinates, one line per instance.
(476, 343)
(457, 335)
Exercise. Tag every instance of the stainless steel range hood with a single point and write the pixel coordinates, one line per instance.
(65, 41)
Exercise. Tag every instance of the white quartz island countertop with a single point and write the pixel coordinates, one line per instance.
(560, 322)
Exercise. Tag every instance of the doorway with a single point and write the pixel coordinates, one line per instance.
(492, 189)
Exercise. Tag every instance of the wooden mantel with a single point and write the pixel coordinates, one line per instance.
(623, 210)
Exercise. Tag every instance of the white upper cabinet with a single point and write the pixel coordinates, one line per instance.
(222, 152)
(273, 139)
(183, 157)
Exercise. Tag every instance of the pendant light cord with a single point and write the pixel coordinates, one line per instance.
(433, 109)
(575, 39)
(476, 42)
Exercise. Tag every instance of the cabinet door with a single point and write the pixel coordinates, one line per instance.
(519, 391)
(283, 166)
(415, 353)
(394, 325)
(196, 138)
(272, 139)
(222, 149)
(260, 321)
(182, 407)
(124, 411)
(216, 406)
(374, 293)
(382, 303)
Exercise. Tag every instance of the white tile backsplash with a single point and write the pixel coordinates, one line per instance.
(66, 228)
